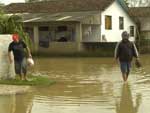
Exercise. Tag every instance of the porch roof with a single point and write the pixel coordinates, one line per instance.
(64, 16)
(56, 6)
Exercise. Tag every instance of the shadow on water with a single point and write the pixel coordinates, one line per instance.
(126, 104)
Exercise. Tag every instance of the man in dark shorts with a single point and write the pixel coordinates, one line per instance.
(125, 51)
(17, 47)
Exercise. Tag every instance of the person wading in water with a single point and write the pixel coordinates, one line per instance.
(124, 52)
(17, 47)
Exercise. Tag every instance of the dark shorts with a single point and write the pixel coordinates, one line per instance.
(21, 66)
(125, 67)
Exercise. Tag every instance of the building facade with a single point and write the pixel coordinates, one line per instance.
(66, 26)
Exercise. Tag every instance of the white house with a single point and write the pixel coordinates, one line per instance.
(67, 25)
(119, 21)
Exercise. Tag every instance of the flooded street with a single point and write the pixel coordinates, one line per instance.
(84, 85)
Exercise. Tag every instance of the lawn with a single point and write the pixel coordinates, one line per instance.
(32, 80)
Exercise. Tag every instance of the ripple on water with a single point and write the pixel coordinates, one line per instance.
(91, 85)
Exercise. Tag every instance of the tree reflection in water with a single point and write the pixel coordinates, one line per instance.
(126, 104)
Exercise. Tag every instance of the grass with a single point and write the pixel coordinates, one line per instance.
(32, 81)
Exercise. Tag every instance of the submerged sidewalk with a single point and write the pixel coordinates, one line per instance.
(13, 89)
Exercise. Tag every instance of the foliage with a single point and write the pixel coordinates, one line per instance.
(10, 24)
(33, 80)
(137, 3)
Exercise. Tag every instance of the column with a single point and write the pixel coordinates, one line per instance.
(36, 38)
(79, 36)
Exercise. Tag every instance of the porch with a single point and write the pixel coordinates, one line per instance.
(63, 32)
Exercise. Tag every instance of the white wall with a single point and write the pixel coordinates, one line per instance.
(90, 33)
(6, 69)
(115, 10)
(94, 19)
(91, 28)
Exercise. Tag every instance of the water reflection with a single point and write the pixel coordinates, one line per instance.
(23, 103)
(8, 101)
(16, 103)
(83, 85)
(126, 104)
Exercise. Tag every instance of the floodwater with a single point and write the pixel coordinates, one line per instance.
(83, 85)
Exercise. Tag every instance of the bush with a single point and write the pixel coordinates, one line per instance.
(10, 24)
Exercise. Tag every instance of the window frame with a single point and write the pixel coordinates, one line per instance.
(132, 30)
(108, 23)
(121, 23)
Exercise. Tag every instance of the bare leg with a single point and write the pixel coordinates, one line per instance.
(24, 69)
(124, 76)
(20, 76)
(127, 75)
(25, 76)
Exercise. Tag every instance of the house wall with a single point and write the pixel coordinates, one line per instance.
(52, 32)
(115, 10)
(60, 48)
(91, 31)
(47, 41)
(94, 19)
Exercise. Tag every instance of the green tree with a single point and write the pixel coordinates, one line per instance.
(10, 24)
(137, 3)
(127, 2)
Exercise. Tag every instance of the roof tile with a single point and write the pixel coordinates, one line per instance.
(58, 6)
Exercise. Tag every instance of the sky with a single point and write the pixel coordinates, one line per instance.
(10, 1)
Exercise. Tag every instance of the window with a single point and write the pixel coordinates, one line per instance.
(132, 31)
(61, 28)
(108, 22)
(44, 36)
(63, 33)
(43, 28)
(121, 23)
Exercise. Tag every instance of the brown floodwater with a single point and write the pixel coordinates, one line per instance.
(83, 85)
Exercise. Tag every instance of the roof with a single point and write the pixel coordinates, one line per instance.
(64, 16)
(123, 4)
(139, 11)
(56, 6)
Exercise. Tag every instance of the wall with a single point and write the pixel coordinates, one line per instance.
(91, 33)
(91, 28)
(94, 19)
(53, 45)
(103, 49)
(6, 69)
(115, 10)
(60, 48)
